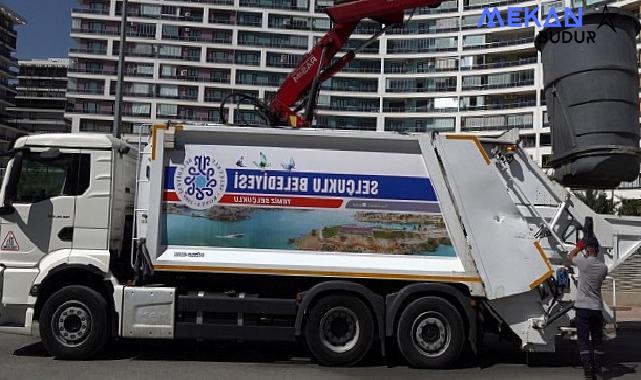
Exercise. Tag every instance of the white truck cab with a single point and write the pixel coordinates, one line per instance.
(66, 198)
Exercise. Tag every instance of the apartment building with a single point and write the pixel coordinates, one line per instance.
(8, 64)
(439, 72)
(40, 100)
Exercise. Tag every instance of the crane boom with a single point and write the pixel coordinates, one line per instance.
(316, 66)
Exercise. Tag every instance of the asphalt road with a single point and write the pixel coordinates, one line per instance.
(23, 357)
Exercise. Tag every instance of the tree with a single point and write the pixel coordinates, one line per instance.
(597, 202)
(630, 207)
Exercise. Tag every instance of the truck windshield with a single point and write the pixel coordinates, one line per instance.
(40, 179)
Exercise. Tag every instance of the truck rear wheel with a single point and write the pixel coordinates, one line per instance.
(339, 330)
(74, 323)
(430, 333)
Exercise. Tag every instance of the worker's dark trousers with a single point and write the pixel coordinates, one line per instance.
(590, 323)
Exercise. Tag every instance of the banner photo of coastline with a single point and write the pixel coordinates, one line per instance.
(302, 199)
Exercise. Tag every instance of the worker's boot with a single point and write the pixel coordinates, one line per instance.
(588, 374)
(598, 365)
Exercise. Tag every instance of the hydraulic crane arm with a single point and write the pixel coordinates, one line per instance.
(315, 67)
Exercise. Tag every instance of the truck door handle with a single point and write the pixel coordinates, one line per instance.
(66, 234)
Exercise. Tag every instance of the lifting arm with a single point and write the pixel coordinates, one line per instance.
(316, 66)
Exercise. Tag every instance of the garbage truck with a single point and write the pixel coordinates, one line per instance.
(347, 241)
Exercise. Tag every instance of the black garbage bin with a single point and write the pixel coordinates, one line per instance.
(591, 85)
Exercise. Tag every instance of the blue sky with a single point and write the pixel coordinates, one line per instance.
(47, 31)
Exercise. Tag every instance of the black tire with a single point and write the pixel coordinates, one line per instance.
(74, 323)
(430, 333)
(339, 330)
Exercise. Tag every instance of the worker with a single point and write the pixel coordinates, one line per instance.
(589, 304)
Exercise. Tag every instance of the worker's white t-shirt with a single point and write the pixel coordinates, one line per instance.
(592, 272)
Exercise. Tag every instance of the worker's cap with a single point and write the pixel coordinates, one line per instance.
(591, 242)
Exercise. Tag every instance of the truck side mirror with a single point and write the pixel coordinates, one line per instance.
(7, 210)
(11, 190)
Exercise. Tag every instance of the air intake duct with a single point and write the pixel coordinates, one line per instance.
(591, 84)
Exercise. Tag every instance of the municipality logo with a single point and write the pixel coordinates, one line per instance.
(200, 182)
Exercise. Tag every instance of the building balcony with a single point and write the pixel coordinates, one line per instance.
(367, 28)
(492, 86)
(138, 74)
(283, 65)
(91, 111)
(349, 107)
(188, 97)
(197, 78)
(231, 57)
(272, 44)
(86, 91)
(497, 122)
(170, 17)
(426, 108)
(91, 11)
(253, 24)
(208, 39)
(417, 69)
(100, 32)
(141, 34)
(502, 127)
(361, 69)
(422, 89)
(215, 19)
(445, 7)
(213, 99)
(498, 106)
(503, 64)
(139, 115)
(191, 58)
(256, 82)
(291, 26)
(93, 71)
(88, 51)
(499, 44)
(417, 50)
(349, 88)
(427, 30)
(272, 4)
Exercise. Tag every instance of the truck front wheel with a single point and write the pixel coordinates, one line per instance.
(74, 323)
(339, 330)
(430, 333)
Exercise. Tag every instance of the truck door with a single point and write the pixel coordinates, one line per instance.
(44, 203)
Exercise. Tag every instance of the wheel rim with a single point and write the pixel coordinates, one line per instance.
(339, 329)
(431, 334)
(71, 323)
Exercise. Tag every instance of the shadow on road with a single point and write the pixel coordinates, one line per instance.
(494, 351)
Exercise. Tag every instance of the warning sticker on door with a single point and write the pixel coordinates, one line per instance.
(10, 243)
